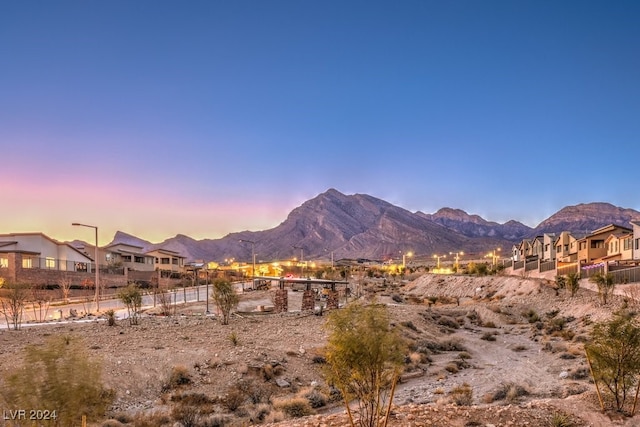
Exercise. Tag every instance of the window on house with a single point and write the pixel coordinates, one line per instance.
(126, 258)
(566, 247)
(139, 259)
(165, 261)
(50, 263)
(626, 244)
(174, 261)
(27, 262)
(637, 244)
(4, 262)
(597, 244)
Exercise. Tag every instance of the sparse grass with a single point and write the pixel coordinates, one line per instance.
(509, 392)
(179, 376)
(561, 420)
(233, 338)
(488, 336)
(520, 347)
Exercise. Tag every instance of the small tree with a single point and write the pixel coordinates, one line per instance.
(131, 297)
(364, 357)
(605, 285)
(573, 283)
(614, 356)
(40, 302)
(225, 298)
(58, 376)
(561, 283)
(65, 286)
(12, 303)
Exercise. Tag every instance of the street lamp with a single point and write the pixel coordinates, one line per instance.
(97, 267)
(301, 260)
(457, 263)
(253, 257)
(404, 260)
(438, 258)
(494, 256)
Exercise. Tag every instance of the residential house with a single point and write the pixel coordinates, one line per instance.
(515, 253)
(566, 247)
(20, 252)
(636, 239)
(536, 249)
(548, 247)
(619, 247)
(167, 260)
(524, 249)
(128, 256)
(592, 248)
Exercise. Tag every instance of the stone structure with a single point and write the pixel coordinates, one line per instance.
(308, 300)
(333, 299)
(281, 300)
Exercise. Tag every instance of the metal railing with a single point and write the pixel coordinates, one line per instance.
(64, 265)
(531, 265)
(627, 275)
(518, 265)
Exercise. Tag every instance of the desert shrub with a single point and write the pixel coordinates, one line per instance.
(489, 324)
(561, 420)
(214, 420)
(187, 415)
(488, 336)
(614, 356)
(112, 423)
(531, 315)
(448, 322)
(178, 377)
(397, 298)
(464, 355)
(111, 317)
(605, 285)
(519, 348)
(225, 298)
(509, 392)
(462, 395)
(316, 398)
(233, 338)
(234, 399)
(193, 399)
(59, 375)
(152, 419)
(579, 374)
(409, 325)
(452, 368)
(572, 283)
(131, 297)
(295, 407)
(255, 391)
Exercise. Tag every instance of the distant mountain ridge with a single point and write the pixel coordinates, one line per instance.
(362, 226)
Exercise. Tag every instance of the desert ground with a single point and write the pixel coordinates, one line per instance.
(493, 336)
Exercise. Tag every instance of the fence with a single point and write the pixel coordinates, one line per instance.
(531, 265)
(565, 269)
(591, 270)
(628, 275)
(547, 266)
(64, 265)
(518, 265)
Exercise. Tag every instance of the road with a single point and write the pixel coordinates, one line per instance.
(58, 310)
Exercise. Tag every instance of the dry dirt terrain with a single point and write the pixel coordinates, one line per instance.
(513, 344)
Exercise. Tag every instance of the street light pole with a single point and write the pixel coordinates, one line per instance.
(301, 260)
(97, 267)
(253, 257)
(457, 263)
(438, 258)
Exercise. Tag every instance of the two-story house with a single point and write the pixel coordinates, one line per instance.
(566, 247)
(548, 246)
(128, 256)
(592, 248)
(636, 239)
(167, 260)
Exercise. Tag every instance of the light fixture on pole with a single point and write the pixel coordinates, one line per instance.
(457, 263)
(404, 258)
(97, 267)
(438, 258)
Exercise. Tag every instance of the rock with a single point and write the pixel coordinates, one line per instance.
(282, 383)
(564, 374)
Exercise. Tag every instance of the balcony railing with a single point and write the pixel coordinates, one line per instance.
(65, 265)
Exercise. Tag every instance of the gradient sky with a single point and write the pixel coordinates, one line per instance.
(208, 117)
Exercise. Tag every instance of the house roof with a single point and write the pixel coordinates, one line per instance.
(14, 235)
(167, 252)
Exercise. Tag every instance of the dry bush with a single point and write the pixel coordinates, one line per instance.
(462, 395)
(295, 407)
(316, 398)
(178, 377)
(233, 400)
(488, 336)
(509, 392)
(152, 419)
(448, 322)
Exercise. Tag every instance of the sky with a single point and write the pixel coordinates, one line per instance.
(202, 118)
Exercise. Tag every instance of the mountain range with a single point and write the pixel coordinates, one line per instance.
(362, 226)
